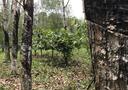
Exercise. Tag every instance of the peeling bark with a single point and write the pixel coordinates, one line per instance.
(16, 16)
(26, 49)
(64, 16)
(108, 30)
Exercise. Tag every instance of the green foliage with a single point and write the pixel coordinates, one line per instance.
(65, 42)
(51, 21)
(53, 75)
(55, 21)
(51, 5)
(2, 88)
(62, 41)
(47, 73)
(42, 39)
(54, 37)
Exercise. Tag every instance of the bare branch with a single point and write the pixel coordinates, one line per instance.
(20, 2)
(66, 4)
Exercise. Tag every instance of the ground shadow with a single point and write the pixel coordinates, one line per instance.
(57, 61)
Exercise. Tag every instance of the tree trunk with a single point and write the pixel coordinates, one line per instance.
(26, 49)
(2, 45)
(64, 17)
(66, 59)
(6, 47)
(108, 30)
(35, 51)
(5, 30)
(16, 16)
(64, 13)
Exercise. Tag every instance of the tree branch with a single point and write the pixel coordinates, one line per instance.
(88, 87)
(20, 2)
(66, 4)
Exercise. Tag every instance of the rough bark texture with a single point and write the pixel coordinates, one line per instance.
(64, 13)
(64, 17)
(6, 47)
(108, 30)
(5, 25)
(16, 16)
(26, 49)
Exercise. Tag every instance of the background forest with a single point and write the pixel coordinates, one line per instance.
(60, 50)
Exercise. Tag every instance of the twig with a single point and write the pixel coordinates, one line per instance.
(66, 4)
(88, 87)
(20, 2)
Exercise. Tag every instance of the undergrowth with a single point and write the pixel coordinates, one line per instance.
(48, 73)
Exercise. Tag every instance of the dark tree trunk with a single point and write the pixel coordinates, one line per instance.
(2, 45)
(26, 49)
(5, 30)
(66, 58)
(35, 52)
(6, 47)
(16, 16)
(108, 30)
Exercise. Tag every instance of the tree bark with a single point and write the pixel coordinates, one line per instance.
(3, 45)
(5, 30)
(6, 47)
(35, 51)
(108, 30)
(64, 13)
(26, 49)
(16, 16)
(64, 17)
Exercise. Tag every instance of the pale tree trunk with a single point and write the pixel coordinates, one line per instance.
(26, 49)
(64, 17)
(108, 30)
(5, 30)
(64, 13)
(16, 16)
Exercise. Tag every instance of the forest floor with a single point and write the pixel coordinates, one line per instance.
(49, 73)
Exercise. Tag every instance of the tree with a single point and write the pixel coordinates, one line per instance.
(55, 21)
(51, 5)
(26, 48)
(107, 25)
(42, 20)
(64, 12)
(58, 7)
(1, 32)
(5, 25)
(16, 17)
